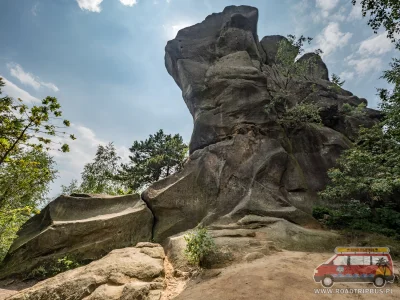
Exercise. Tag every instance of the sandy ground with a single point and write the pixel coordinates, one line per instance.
(9, 288)
(283, 275)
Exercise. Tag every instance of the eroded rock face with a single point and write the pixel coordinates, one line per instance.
(244, 162)
(124, 274)
(85, 226)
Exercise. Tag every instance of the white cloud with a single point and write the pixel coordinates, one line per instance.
(34, 9)
(94, 5)
(326, 5)
(366, 65)
(11, 90)
(331, 38)
(90, 5)
(172, 30)
(29, 79)
(340, 15)
(355, 13)
(346, 75)
(376, 45)
(128, 2)
(82, 151)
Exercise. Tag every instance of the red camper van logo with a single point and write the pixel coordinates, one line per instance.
(356, 264)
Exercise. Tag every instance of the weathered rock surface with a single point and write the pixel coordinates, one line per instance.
(251, 238)
(85, 226)
(244, 162)
(126, 274)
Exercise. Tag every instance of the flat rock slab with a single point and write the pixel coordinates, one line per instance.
(129, 273)
(85, 226)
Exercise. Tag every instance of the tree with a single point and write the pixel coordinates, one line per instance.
(290, 69)
(100, 176)
(335, 79)
(370, 172)
(24, 183)
(24, 127)
(26, 168)
(24, 180)
(153, 159)
(384, 13)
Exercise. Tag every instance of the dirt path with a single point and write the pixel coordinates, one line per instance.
(283, 275)
(9, 288)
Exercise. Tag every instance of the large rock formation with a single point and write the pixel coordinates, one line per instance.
(243, 161)
(126, 274)
(84, 226)
(247, 174)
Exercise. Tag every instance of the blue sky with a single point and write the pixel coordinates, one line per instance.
(104, 60)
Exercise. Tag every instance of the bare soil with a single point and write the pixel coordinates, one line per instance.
(282, 275)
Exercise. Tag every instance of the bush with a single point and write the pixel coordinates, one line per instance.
(199, 245)
(51, 269)
(355, 215)
(302, 113)
(354, 111)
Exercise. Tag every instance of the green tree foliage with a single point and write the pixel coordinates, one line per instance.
(24, 183)
(354, 215)
(24, 180)
(153, 159)
(384, 13)
(24, 127)
(335, 79)
(369, 173)
(100, 176)
(355, 111)
(391, 100)
(292, 69)
(26, 169)
(302, 113)
(10, 222)
(199, 244)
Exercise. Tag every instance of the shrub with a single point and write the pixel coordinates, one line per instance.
(199, 245)
(302, 113)
(354, 111)
(56, 267)
(355, 215)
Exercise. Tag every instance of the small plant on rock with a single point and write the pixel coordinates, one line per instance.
(302, 113)
(199, 244)
(354, 111)
(56, 267)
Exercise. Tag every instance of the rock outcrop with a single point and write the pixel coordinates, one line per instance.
(126, 274)
(85, 226)
(243, 161)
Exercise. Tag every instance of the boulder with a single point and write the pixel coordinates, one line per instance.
(270, 44)
(129, 273)
(316, 67)
(83, 226)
